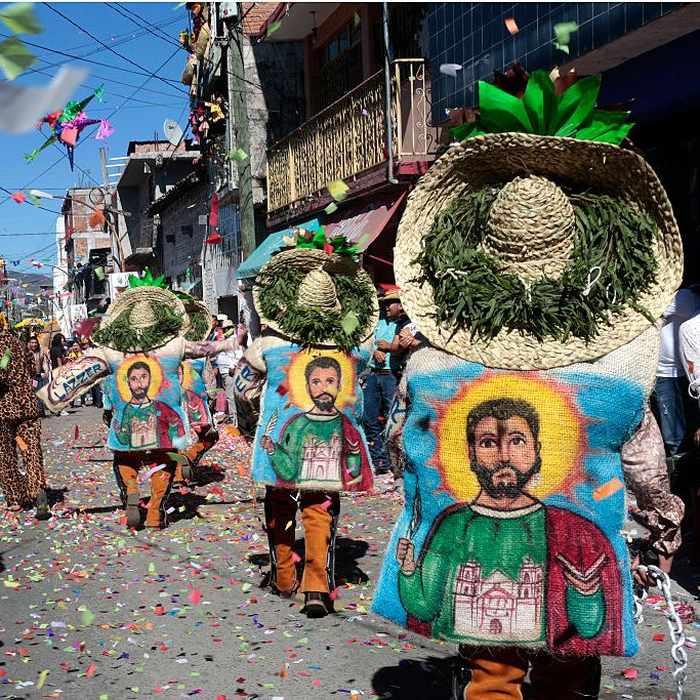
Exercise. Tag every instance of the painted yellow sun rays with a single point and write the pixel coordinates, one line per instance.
(156, 376)
(298, 393)
(562, 433)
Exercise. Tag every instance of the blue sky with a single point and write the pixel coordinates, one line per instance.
(138, 118)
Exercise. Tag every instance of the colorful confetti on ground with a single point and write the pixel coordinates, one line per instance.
(91, 610)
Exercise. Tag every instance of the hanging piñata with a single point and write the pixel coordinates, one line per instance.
(67, 125)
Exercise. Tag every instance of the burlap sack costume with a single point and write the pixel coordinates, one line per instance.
(143, 339)
(535, 265)
(320, 306)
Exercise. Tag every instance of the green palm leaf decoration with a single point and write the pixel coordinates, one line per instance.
(147, 280)
(541, 111)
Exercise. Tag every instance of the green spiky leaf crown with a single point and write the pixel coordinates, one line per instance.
(541, 111)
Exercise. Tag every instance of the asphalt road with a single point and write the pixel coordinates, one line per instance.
(89, 610)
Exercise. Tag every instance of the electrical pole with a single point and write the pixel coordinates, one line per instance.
(238, 111)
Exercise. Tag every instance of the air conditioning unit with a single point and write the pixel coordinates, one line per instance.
(220, 14)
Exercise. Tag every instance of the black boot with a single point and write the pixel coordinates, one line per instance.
(315, 605)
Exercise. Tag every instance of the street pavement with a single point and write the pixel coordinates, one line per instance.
(91, 610)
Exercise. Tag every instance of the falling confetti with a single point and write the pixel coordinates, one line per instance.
(450, 69)
(512, 25)
(562, 35)
(338, 190)
(607, 489)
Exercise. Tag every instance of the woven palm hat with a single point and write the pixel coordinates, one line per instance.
(201, 322)
(317, 289)
(531, 233)
(140, 303)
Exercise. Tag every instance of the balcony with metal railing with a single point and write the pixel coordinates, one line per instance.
(348, 137)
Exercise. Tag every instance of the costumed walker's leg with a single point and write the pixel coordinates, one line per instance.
(319, 515)
(495, 673)
(280, 521)
(569, 678)
(118, 478)
(161, 481)
(29, 436)
(127, 465)
(29, 431)
(11, 479)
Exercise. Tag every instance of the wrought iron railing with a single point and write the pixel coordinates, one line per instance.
(349, 136)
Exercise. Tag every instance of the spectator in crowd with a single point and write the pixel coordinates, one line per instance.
(381, 380)
(58, 351)
(41, 368)
(226, 364)
(670, 402)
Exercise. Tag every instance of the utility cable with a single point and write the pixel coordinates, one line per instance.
(168, 40)
(120, 69)
(65, 155)
(99, 41)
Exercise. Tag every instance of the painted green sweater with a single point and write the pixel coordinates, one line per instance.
(311, 449)
(482, 578)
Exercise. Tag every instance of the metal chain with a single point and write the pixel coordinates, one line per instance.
(675, 625)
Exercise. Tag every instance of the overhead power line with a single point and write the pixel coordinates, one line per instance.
(120, 41)
(65, 155)
(164, 37)
(96, 63)
(99, 41)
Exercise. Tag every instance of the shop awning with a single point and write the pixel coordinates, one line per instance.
(251, 265)
(362, 224)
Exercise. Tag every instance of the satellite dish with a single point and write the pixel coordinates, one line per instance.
(173, 132)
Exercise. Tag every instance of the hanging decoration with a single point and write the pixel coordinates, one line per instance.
(67, 124)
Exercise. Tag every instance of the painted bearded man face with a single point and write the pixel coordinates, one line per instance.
(504, 451)
(139, 379)
(323, 382)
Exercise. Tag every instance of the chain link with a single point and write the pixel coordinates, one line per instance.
(675, 625)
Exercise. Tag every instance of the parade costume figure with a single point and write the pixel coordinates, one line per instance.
(301, 380)
(20, 429)
(535, 265)
(141, 346)
(196, 379)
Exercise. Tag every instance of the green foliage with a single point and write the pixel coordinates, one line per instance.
(122, 336)
(148, 280)
(542, 111)
(611, 234)
(200, 324)
(310, 326)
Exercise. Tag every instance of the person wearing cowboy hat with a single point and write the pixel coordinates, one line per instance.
(535, 257)
(298, 394)
(381, 379)
(226, 363)
(140, 344)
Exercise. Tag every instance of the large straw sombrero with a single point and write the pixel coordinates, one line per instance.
(201, 322)
(142, 307)
(318, 275)
(531, 232)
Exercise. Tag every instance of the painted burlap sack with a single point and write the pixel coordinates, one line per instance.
(194, 391)
(535, 258)
(146, 396)
(545, 573)
(309, 434)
